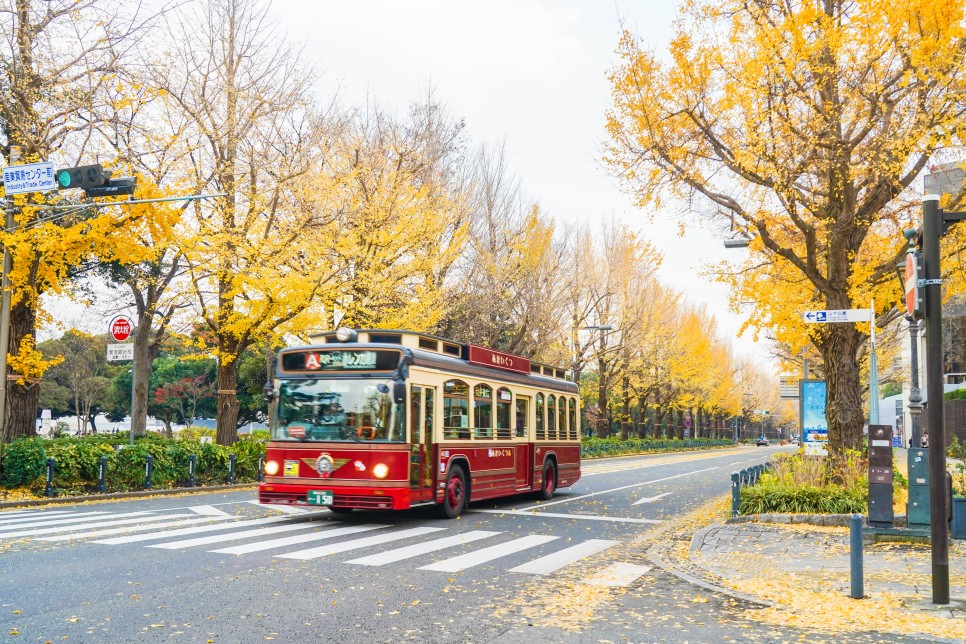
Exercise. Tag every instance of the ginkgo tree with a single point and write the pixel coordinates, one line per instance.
(804, 124)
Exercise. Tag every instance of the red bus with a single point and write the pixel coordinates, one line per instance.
(389, 420)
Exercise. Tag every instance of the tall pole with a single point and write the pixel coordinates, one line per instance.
(131, 430)
(9, 224)
(932, 229)
(915, 396)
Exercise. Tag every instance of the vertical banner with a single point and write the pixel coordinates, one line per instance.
(812, 417)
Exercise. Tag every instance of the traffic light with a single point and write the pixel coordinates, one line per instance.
(114, 188)
(84, 176)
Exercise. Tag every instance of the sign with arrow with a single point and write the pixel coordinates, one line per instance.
(838, 315)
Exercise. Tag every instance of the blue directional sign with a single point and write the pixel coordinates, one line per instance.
(838, 315)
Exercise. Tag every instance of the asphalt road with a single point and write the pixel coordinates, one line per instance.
(219, 568)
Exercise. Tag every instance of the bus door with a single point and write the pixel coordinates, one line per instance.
(523, 445)
(421, 400)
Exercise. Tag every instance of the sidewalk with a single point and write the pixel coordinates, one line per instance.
(798, 575)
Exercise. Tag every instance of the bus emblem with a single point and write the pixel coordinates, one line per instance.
(324, 465)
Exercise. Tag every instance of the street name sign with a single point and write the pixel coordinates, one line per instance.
(838, 315)
(120, 352)
(788, 387)
(30, 177)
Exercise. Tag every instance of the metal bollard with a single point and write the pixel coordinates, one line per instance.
(231, 468)
(102, 476)
(855, 556)
(192, 458)
(261, 469)
(735, 493)
(148, 467)
(49, 489)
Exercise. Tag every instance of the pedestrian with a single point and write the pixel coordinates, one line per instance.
(910, 442)
(925, 440)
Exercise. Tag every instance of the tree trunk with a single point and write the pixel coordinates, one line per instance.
(142, 374)
(228, 405)
(22, 399)
(839, 345)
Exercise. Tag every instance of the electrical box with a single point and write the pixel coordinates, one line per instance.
(917, 509)
(880, 476)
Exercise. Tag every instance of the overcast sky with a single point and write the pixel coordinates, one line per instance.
(532, 73)
(529, 73)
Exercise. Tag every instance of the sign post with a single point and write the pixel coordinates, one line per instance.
(120, 329)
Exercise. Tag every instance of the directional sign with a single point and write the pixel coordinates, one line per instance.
(120, 352)
(838, 315)
(31, 177)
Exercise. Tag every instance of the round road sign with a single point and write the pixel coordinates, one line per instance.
(120, 328)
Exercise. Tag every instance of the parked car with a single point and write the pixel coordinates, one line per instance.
(762, 441)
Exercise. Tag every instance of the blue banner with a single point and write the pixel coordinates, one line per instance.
(813, 420)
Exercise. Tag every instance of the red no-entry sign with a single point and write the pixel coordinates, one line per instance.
(120, 328)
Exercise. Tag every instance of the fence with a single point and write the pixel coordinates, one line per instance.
(749, 476)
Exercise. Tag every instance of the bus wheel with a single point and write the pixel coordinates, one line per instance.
(454, 496)
(549, 481)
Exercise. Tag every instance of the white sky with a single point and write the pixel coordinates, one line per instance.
(532, 73)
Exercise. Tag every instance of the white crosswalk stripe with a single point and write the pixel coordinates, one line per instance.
(426, 547)
(20, 518)
(322, 551)
(234, 536)
(463, 562)
(287, 509)
(556, 561)
(88, 526)
(196, 530)
(299, 538)
(133, 528)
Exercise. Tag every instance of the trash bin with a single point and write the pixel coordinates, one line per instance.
(958, 527)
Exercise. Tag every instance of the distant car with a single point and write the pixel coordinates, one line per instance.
(761, 441)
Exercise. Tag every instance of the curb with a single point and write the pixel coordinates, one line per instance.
(658, 555)
(63, 500)
(834, 520)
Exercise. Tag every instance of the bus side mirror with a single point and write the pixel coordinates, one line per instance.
(269, 392)
(399, 391)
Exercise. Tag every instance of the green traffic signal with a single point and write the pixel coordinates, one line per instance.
(85, 176)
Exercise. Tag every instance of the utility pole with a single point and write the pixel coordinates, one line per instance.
(9, 224)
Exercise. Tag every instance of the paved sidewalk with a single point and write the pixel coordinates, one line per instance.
(799, 574)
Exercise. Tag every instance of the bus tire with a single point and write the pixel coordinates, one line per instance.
(454, 494)
(549, 484)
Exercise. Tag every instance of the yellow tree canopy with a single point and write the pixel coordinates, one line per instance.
(803, 124)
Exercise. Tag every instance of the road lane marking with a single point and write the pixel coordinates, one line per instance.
(617, 489)
(233, 536)
(556, 561)
(651, 499)
(287, 509)
(617, 574)
(87, 526)
(134, 528)
(208, 511)
(559, 515)
(299, 538)
(417, 549)
(478, 557)
(51, 519)
(355, 544)
(196, 530)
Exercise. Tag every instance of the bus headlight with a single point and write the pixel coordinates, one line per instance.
(271, 468)
(381, 471)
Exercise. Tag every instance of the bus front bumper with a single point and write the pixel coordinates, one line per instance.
(383, 498)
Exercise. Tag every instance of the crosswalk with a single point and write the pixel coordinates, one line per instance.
(305, 535)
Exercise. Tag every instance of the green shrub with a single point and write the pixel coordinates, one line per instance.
(78, 461)
(593, 447)
(773, 494)
(24, 462)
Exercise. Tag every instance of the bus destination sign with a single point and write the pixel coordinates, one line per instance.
(339, 360)
(498, 360)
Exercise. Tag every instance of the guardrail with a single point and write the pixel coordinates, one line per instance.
(749, 476)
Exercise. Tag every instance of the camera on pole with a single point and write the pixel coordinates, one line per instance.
(95, 181)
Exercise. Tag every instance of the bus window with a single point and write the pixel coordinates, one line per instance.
(456, 409)
(551, 417)
(483, 411)
(430, 394)
(574, 429)
(522, 403)
(562, 418)
(415, 401)
(504, 400)
(541, 432)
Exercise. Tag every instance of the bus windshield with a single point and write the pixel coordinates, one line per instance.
(351, 410)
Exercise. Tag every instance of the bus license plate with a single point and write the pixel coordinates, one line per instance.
(320, 497)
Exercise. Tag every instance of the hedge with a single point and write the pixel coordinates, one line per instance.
(596, 447)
